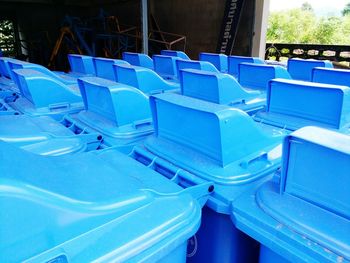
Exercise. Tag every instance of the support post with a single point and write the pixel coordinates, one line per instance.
(260, 27)
(144, 26)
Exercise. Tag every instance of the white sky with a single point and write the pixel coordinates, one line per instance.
(321, 6)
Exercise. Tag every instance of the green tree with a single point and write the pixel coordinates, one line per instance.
(346, 9)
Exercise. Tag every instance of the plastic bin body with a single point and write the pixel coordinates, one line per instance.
(144, 79)
(42, 95)
(234, 61)
(301, 69)
(218, 60)
(6, 109)
(116, 118)
(44, 135)
(174, 53)
(223, 146)
(257, 76)
(104, 67)
(6, 82)
(81, 65)
(138, 59)
(100, 219)
(302, 215)
(221, 89)
(295, 104)
(331, 76)
(165, 66)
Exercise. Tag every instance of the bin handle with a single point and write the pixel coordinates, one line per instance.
(141, 123)
(56, 106)
(262, 156)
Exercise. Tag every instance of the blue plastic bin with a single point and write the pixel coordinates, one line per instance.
(218, 60)
(221, 89)
(331, 76)
(196, 141)
(234, 61)
(257, 76)
(194, 64)
(95, 207)
(42, 95)
(104, 67)
(138, 59)
(119, 112)
(174, 53)
(63, 78)
(144, 79)
(302, 215)
(81, 65)
(165, 66)
(44, 135)
(301, 69)
(293, 104)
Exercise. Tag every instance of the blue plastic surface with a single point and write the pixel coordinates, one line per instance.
(197, 141)
(81, 65)
(221, 89)
(303, 214)
(194, 64)
(144, 79)
(294, 104)
(218, 60)
(234, 61)
(90, 208)
(138, 59)
(43, 135)
(104, 67)
(174, 53)
(165, 66)
(63, 78)
(301, 69)
(331, 76)
(119, 112)
(257, 76)
(42, 95)
(6, 109)
(6, 82)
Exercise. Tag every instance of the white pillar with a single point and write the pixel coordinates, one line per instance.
(260, 27)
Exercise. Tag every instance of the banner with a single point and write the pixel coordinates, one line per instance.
(229, 26)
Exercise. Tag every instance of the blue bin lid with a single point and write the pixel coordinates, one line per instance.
(209, 142)
(303, 214)
(81, 64)
(218, 60)
(257, 76)
(219, 88)
(138, 59)
(301, 69)
(234, 61)
(40, 134)
(104, 67)
(144, 79)
(165, 66)
(6, 109)
(194, 64)
(43, 95)
(294, 104)
(114, 109)
(331, 76)
(63, 78)
(89, 208)
(174, 53)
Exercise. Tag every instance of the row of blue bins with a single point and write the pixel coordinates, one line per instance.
(168, 159)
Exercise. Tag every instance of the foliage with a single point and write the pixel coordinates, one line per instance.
(302, 26)
(307, 7)
(346, 10)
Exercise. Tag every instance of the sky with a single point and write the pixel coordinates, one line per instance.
(321, 7)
